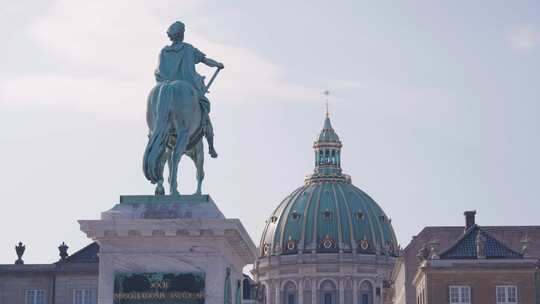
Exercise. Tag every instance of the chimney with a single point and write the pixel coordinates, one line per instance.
(469, 219)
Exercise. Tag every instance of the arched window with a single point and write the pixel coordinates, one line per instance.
(328, 292)
(365, 293)
(290, 293)
(326, 156)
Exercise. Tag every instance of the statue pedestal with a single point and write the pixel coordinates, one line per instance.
(167, 235)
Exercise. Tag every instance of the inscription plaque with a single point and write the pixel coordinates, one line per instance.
(159, 288)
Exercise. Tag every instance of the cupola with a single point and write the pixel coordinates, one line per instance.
(328, 214)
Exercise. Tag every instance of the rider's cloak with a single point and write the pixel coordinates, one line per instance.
(177, 62)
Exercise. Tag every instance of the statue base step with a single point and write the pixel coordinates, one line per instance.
(164, 207)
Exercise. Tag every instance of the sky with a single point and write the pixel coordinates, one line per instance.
(437, 104)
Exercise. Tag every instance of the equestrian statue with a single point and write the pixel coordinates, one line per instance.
(178, 112)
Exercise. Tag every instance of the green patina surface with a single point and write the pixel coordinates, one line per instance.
(328, 208)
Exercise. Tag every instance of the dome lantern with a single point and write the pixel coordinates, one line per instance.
(327, 148)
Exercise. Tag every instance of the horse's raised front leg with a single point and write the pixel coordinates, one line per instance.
(177, 152)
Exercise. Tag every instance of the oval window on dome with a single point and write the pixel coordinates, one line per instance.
(364, 244)
(328, 243)
(295, 215)
(266, 248)
(360, 215)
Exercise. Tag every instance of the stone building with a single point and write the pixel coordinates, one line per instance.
(469, 264)
(328, 242)
(72, 280)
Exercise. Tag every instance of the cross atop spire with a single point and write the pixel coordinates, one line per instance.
(326, 94)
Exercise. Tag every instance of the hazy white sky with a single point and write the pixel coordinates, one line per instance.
(436, 102)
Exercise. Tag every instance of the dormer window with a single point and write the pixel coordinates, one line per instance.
(291, 244)
(390, 247)
(327, 215)
(382, 218)
(273, 219)
(360, 215)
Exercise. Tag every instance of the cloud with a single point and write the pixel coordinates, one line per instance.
(524, 38)
(111, 98)
(108, 52)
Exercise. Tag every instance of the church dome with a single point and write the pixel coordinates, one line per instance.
(328, 214)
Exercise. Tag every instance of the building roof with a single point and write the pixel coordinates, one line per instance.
(26, 268)
(466, 247)
(510, 236)
(327, 133)
(328, 213)
(88, 254)
(85, 260)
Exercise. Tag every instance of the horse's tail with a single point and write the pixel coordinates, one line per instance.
(155, 149)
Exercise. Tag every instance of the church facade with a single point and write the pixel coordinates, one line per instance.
(329, 242)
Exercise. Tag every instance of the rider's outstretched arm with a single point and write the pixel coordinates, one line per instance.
(212, 63)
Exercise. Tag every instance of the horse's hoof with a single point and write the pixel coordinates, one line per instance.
(213, 154)
(160, 191)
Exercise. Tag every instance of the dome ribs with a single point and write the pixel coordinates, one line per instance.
(279, 226)
(340, 227)
(286, 226)
(309, 201)
(349, 217)
(314, 215)
(369, 219)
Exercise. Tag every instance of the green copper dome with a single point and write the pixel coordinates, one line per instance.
(328, 214)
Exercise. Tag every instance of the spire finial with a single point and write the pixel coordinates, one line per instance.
(326, 94)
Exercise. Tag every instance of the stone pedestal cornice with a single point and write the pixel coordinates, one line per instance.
(169, 234)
